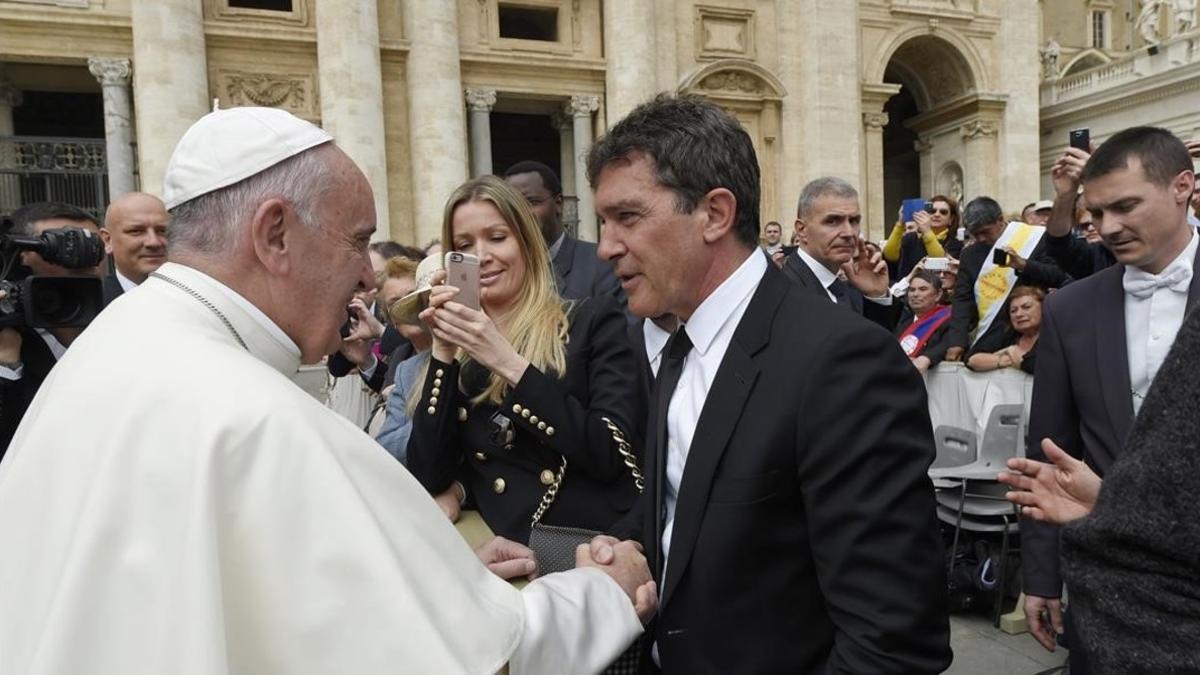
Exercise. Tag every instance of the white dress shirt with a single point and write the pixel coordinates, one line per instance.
(126, 284)
(710, 329)
(656, 341)
(1151, 322)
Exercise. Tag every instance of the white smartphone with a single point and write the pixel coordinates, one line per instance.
(937, 264)
(462, 272)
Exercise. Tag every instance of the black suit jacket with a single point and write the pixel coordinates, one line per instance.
(884, 315)
(1082, 397)
(16, 395)
(581, 274)
(805, 537)
(112, 288)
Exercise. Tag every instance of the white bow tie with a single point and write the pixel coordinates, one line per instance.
(1141, 284)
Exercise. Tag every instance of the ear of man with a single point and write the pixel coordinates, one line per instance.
(1183, 186)
(272, 234)
(720, 206)
(802, 230)
(106, 237)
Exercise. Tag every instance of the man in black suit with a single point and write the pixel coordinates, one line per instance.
(1104, 337)
(828, 223)
(787, 509)
(580, 274)
(985, 220)
(135, 239)
(28, 354)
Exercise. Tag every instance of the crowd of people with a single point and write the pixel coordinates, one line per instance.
(716, 413)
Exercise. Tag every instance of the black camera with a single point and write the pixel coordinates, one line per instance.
(50, 301)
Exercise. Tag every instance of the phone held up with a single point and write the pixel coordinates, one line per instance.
(462, 272)
(937, 264)
(1081, 139)
(1000, 258)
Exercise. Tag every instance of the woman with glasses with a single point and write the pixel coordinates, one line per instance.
(525, 401)
(931, 235)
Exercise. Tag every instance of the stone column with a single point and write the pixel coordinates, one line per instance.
(352, 91)
(480, 102)
(981, 175)
(629, 49)
(170, 82)
(114, 75)
(874, 119)
(581, 108)
(436, 120)
(10, 186)
(565, 125)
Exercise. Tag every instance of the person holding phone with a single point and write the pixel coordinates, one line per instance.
(934, 234)
(528, 391)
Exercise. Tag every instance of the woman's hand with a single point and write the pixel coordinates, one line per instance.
(474, 332)
(922, 363)
(442, 349)
(1015, 355)
(1058, 493)
(365, 330)
(922, 221)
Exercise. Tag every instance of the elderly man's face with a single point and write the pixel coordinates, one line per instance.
(829, 231)
(333, 262)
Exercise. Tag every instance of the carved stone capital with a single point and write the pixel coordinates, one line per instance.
(481, 100)
(979, 129)
(922, 144)
(875, 121)
(582, 106)
(110, 71)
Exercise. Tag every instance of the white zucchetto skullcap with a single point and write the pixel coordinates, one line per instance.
(228, 146)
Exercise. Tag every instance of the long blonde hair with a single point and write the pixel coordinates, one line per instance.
(537, 324)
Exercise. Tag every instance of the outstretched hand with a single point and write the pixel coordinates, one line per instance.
(508, 559)
(1060, 492)
(867, 271)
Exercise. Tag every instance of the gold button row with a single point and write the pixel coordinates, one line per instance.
(518, 409)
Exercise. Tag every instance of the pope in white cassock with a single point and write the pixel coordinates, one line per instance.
(174, 503)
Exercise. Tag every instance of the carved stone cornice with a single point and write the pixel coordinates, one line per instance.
(295, 93)
(988, 108)
(978, 128)
(875, 121)
(582, 106)
(481, 100)
(110, 72)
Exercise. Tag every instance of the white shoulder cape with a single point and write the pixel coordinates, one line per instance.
(173, 503)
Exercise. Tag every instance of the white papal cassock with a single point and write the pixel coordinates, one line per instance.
(173, 503)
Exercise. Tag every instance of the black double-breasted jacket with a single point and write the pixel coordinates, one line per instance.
(507, 455)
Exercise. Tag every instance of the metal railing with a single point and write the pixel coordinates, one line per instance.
(44, 168)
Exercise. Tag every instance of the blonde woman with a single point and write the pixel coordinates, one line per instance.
(527, 386)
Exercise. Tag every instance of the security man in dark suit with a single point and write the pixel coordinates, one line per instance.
(580, 274)
(1104, 337)
(787, 510)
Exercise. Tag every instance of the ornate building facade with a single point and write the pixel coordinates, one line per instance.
(1112, 64)
(902, 97)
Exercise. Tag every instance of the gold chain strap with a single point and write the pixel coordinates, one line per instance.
(551, 493)
(627, 457)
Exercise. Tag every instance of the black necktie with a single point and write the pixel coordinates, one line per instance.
(668, 378)
(838, 289)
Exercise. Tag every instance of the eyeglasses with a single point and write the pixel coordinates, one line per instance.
(941, 212)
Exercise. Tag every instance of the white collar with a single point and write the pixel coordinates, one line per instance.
(713, 312)
(557, 245)
(655, 337)
(126, 284)
(822, 272)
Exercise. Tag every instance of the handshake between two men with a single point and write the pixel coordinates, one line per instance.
(623, 561)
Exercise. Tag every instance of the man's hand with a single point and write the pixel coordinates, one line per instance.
(1060, 492)
(867, 271)
(1066, 171)
(955, 354)
(1193, 147)
(508, 559)
(10, 345)
(1044, 616)
(1015, 261)
(624, 562)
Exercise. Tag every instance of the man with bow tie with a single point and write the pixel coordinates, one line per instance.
(1104, 337)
